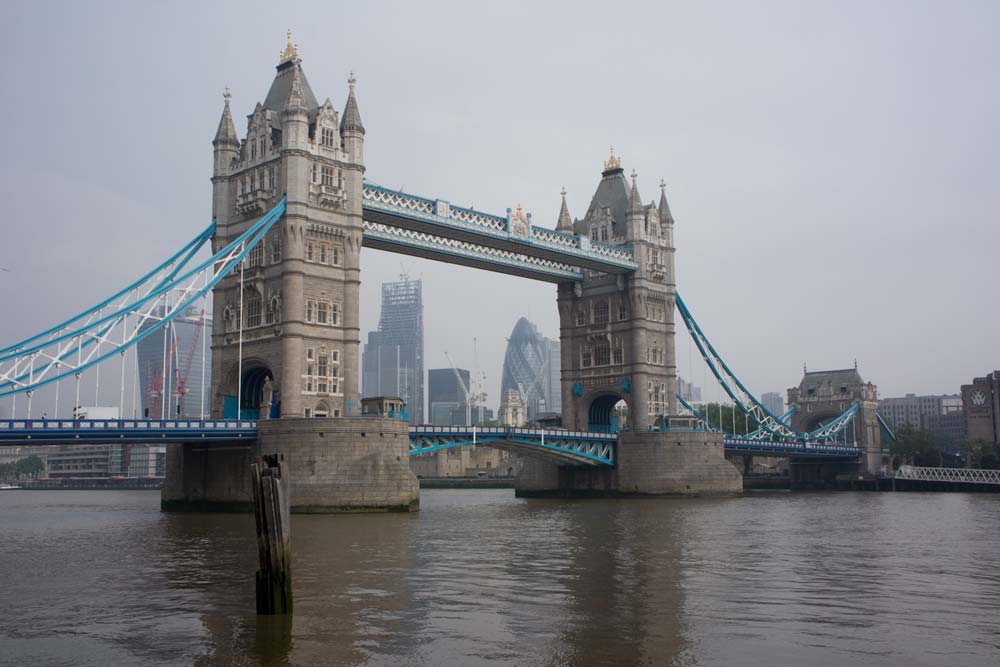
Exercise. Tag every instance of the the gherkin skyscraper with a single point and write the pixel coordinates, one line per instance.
(531, 369)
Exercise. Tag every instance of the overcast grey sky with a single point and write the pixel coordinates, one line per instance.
(832, 167)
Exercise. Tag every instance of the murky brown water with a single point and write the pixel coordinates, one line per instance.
(482, 578)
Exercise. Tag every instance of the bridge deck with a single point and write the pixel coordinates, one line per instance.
(110, 431)
(580, 447)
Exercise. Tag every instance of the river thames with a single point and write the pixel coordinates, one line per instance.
(482, 578)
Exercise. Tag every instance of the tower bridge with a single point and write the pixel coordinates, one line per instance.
(291, 210)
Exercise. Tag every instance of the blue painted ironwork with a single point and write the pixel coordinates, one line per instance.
(91, 330)
(746, 401)
(577, 447)
(825, 450)
(440, 224)
(408, 241)
(157, 275)
(564, 447)
(759, 434)
(124, 431)
(888, 429)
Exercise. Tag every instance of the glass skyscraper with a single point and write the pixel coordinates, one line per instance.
(531, 368)
(392, 362)
(182, 358)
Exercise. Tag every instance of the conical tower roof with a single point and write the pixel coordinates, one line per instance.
(665, 215)
(226, 134)
(351, 119)
(634, 200)
(565, 223)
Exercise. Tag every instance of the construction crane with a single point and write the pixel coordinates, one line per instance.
(465, 390)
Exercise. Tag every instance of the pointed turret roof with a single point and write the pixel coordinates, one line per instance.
(634, 200)
(665, 215)
(351, 119)
(281, 87)
(296, 102)
(565, 223)
(226, 134)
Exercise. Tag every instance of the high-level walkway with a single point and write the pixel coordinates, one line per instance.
(412, 225)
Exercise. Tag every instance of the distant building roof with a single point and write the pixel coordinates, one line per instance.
(846, 377)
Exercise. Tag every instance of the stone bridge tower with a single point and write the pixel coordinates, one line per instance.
(617, 335)
(618, 332)
(296, 325)
(300, 331)
(823, 395)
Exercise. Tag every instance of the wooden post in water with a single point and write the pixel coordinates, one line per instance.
(274, 541)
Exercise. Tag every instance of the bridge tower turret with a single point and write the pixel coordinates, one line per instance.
(286, 337)
(618, 332)
(299, 310)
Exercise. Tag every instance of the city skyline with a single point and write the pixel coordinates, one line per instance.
(729, 226)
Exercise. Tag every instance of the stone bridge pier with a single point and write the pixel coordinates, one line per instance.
(820, 397)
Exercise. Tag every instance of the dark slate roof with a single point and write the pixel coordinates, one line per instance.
(814, 379)
(281, 86)
(612, 192)
(351, 119)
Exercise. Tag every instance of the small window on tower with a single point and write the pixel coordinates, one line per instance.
(601, 312)
(310, 249)
(328, 176)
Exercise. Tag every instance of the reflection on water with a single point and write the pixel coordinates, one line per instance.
(482, 578)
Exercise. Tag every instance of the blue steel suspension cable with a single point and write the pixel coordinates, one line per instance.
(248, 239)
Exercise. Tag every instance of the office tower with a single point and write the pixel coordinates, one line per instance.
(393, 358)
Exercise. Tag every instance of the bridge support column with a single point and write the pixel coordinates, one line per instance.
(806, 474)
(670, 463)
(349, 464)
(675, 462)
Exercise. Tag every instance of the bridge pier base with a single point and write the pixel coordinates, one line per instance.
(805, 474)
(346, 464)
(670, 463)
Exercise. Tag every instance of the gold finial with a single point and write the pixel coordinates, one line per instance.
(612, 162)
(290, 53)
(520, 213)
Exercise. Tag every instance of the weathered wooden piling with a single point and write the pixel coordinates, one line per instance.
(274, 541)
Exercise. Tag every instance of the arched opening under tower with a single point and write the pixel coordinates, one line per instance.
(607, 414)
(252, 393)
